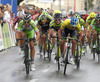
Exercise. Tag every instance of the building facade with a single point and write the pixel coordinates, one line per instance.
(74, 5)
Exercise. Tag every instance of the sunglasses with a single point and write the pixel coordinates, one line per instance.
(82, 15)
(57, 19)
(44, 20)
(26, 21)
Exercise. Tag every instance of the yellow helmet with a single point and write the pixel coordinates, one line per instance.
(92, 15)
(57, 11)
(57, 14)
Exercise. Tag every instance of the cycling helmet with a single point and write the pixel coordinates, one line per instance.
(82, 12)
(92, 15)
(74, 21)
(57, 11)
(20, 14)
(46, 10)
(77, 15)
(27, 17)
(71, 12)
(97, 17)
(43, 17)
(57, 15)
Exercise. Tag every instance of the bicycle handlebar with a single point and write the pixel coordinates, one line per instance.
(26, 39)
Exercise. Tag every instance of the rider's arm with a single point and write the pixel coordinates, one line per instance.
(59, 33)
(91, 26)
(50, 28)
(61, 29)
(20, 24)
(35, 29)
(87, 21)
(37, 35)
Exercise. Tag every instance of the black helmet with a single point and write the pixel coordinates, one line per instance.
(27, 17)
(57, 15)
(43, 17)
(97, 17)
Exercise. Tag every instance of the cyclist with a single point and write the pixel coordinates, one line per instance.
(65, 17)
(70, 26)
(16, 21)
(70, 14)
(95, 25)
(55, 25)
(83, 15)
(28, 27)
(43, 25)
(83, 26)
(88, 22)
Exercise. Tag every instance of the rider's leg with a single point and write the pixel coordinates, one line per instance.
(32, 51)
(62, 47)
(22, 35)
(53, 33)
(17, 36)
(94, 36)
(73, 47)
(40, 40)
(44, 41)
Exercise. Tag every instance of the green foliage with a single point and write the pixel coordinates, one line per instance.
(90, 4)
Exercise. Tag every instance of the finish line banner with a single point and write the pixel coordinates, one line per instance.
(45, 1)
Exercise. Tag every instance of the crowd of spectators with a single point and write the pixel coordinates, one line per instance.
(33, 10)
(6, 14)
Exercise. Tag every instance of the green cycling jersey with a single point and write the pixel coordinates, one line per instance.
(30, 30)
(82, 22)
(55, 26)
(95, 25)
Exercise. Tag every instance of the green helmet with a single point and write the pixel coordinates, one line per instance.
(77, 15)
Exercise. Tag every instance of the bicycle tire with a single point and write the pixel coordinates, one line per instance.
(49, 52)
(93, 55)
(77, 58)
(58, 58)
(40, 50)
(66, 61)
(44, 53)
(78, 64)
(27, 68)
(98, 58)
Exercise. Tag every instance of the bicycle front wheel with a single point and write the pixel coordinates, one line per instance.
(27, 66)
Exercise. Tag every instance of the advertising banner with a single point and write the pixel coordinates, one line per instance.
(1, 39)
(6, 36)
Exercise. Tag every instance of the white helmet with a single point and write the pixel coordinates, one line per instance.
(82, 12)
(20, 14)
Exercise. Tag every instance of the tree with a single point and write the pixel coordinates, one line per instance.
(18, 1)
(89, 4)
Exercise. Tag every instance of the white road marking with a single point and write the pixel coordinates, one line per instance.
(45, 70)
(33, 80)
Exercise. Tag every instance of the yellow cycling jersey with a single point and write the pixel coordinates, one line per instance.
(67, 25)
